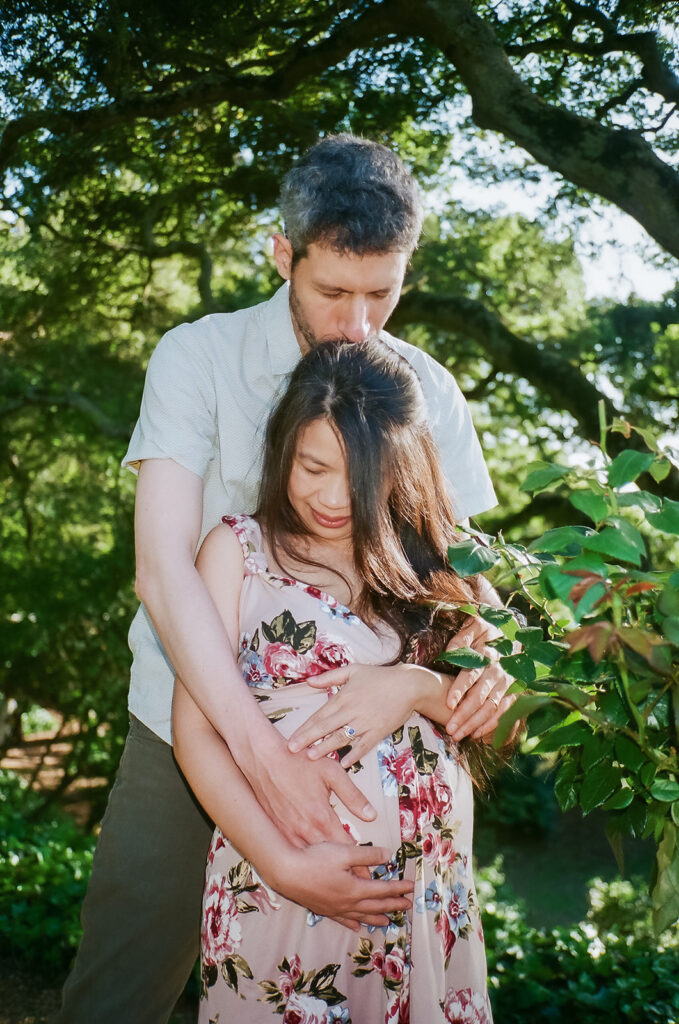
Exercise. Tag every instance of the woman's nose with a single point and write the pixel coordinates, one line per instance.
(335, 494)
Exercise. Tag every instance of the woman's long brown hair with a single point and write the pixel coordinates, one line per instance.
(402, 517)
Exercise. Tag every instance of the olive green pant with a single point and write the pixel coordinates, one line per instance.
(141, 914)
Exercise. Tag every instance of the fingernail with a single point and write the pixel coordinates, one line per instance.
(369, 811)
(452, 726)
(294, 746)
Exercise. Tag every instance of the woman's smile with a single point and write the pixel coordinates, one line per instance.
(330, 522)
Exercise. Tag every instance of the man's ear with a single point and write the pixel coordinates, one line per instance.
(282, 254)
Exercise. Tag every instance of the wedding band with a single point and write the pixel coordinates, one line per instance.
(349, 732)
(333, 690)
(495, 701)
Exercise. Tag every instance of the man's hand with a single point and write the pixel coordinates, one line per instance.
(295, 792)
(477, 697)
(333, 881)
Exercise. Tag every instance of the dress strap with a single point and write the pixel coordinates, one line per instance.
(249, 534)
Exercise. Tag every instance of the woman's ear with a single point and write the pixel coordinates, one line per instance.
(282, 254)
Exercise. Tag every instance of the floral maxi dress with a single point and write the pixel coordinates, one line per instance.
(266, 959)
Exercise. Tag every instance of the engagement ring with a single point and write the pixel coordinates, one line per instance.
(349, 732)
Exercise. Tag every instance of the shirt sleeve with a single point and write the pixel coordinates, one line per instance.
(453, 430)
(178, 418)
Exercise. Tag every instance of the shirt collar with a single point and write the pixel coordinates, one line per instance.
(281, 339)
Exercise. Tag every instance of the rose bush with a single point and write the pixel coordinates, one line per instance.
(598, 673)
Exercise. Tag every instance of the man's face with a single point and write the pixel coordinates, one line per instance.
(339, 296)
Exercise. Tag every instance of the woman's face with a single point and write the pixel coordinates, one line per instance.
(318, 488)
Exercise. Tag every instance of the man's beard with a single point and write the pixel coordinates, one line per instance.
(301, 323)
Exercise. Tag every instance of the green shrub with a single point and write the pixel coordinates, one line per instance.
(44, 868)
(597, 672)
(610, 966)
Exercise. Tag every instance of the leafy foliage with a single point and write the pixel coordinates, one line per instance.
(598, 673)
(609, 965)
(44, 869)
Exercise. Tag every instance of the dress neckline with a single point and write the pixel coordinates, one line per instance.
(249, 533)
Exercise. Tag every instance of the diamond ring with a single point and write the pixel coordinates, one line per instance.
(349, 731)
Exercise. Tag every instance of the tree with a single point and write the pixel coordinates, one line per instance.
(141, 151)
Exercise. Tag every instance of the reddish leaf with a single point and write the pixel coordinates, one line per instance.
(597, 638)
(588, 580)
(640, 588)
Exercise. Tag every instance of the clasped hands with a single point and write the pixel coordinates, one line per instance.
(375, 700)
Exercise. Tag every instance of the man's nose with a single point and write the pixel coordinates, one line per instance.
(355, 325)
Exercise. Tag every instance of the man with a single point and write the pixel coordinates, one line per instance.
(353, 217)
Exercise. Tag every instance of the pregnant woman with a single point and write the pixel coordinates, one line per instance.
(343, 562)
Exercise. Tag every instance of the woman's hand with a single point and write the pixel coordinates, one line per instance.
(333, 880)
(373, 700)
(477, 697)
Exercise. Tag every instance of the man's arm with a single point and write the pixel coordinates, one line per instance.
(168, 516)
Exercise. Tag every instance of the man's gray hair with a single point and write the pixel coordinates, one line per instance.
(353, 195)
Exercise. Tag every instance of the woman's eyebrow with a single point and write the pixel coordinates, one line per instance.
(310, 457)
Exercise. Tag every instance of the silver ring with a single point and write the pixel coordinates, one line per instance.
(495, 701)
(349, 731)
(333, 690)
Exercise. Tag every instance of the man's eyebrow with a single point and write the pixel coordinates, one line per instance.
(326, 286)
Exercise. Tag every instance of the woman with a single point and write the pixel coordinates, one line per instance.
(343, 562)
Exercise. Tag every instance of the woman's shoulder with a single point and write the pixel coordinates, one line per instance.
(249, 534)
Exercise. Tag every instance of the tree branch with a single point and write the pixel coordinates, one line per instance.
(207, 90)
(561, 381)
(69, 399)
(615, 163)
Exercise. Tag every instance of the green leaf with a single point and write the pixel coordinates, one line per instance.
(639, 499)
(593, 505)
(613, 708)
(668, 602)
(628, 754)
(521, 707)
(573, 694)
(594, 750)
(634, 818)
(665, 894)
(670, 628)
(665, 790)
(628, 466)
(468, 557)
(660, 469)
(572, 735)
(623, 798)
(519, 666)
(614, 836)
(500, 617)
(464, 657)
(564, 540)
(667, 520)
(675, 812)
(647, 774)
(547, 652)
(542, 474)
(565, 789)
(623, 543)
(597, 786)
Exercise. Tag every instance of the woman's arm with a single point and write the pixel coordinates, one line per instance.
(320, 877)
(375, 700)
